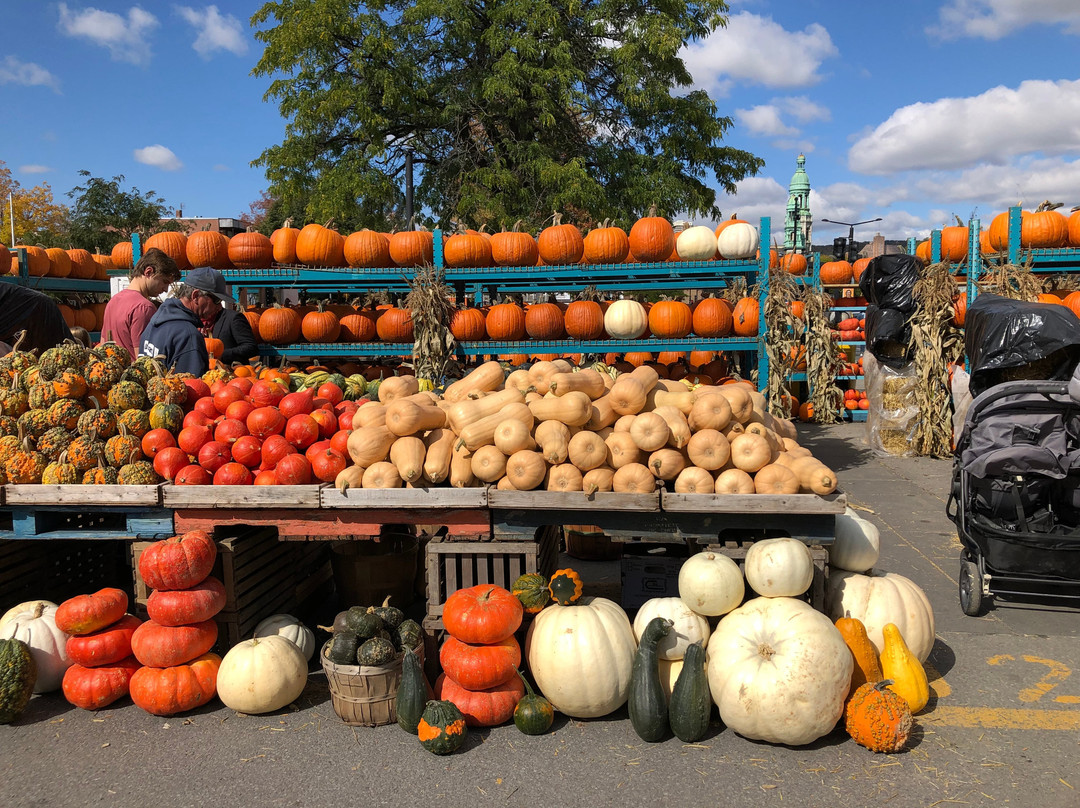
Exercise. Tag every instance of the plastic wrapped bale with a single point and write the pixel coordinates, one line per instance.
(961, 398)
(894, 409)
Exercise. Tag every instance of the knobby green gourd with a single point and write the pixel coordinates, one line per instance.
(18, 673)
(647, 704)
(533, 714)
(342, 648)
(412, 693)
(691, 701)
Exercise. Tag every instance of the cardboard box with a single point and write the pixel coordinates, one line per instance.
(646, 577)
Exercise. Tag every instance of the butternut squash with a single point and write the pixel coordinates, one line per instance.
(786, 428)
(407, 454)
(628, 396)
(676, 421)
(485, 378)
(573, 409)
(646, 376)
(461, 475)
(603, 432)
(666, 464)
(757, 400)
(520, 380)
(814, 476)
(733, 429)
(789, 444)
(349, 477)
(587, 451)
(670, 385)
(658, 397)
(622, 449)
(694, 480)
(710, 412)
(650, 431)
(601, 414)
(394, 387)
(504, 484)
(482, 432)
(463, 413)
(440, 445)
(553, 438)
(738, 396)
(734, 481)
(406, 417)
(775, 479)
(750, 452)
(370, 444)
(512, 436)
(598, 479)
(532, 396)
(541, 372)
(564, 477)
(370, 414)
(708, 449)
(488, 464)
(381, 475)
(526, 470)
(623, 423)
(633, 478)
(587, 381)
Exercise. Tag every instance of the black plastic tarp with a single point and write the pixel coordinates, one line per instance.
(22, 308)
(888, 335)
(1001, 335)
(889, 282)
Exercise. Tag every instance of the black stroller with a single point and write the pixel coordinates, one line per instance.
(1015, 495)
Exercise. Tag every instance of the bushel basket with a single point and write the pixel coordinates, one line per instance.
(365, 695)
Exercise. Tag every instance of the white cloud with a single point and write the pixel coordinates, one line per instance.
(803, 109)
(764, 120)
(158, 156)
(126, 38)
(221, 167)
(756, 50)
(995, 19)
(989, 189)
(768, 120)
(953, 133)
(216, 31)
(28, 74)
(34, 169)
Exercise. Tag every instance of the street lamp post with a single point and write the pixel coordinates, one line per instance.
(851, 232)
(408, 186)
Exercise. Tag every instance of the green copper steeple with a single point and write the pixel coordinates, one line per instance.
(797, 222)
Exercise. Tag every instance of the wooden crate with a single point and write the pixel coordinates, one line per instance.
(58, 570)
(454, 565)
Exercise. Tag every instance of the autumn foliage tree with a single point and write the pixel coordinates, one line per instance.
(38, 219)
(511, 109)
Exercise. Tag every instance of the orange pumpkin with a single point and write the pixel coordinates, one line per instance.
(251, 250)
(320, 326)
(834, 273)
(560, 243)
(746, 317)
(283, 241)
(59, 262)
(206, 248)
(279, 326)
(652, 238)
(412, 248)
(506, 321)
(606, 245)
(122, 255)
(83, 266)
(319, 246)
(215, 347)
(793, 263)
(712, 318)
(367, 249)
(670, 319)
(954, 243)
(467, 325)
(544, 321)
(514, 249)
(584, 319)
(173, 244)
(358, 327)
(467, 250)
(395, 325)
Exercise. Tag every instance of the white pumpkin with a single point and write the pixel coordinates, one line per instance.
(880, 598)
(287, 626)
(626, 319)
(711, 583)
(857, 544)
(48, 645)
(261, 675)
(687, 626)
(581, 656)
(696, 244)
(25, 606)
(779, 671)
(779, 567)
(669, 674)
(738, 240)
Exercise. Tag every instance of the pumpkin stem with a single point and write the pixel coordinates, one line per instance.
(287, 223)
(517, 224)
(556, 219)
(528, 688)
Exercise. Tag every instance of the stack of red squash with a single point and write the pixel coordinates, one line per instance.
(480, 659)
(179, 672)
(100, 646)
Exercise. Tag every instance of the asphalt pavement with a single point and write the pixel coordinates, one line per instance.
(1002, 726)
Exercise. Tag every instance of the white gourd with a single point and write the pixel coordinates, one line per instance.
(711, 584)
(738, 240)
(287, 626)
(696, 244)
(857, 544)
(261, 675)
(36, 626)
(687, 626)
(880, 598)
(779, 567)
(626, 319)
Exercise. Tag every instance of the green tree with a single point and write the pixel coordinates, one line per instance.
(104, 214)
(38, 218)
(512, 108)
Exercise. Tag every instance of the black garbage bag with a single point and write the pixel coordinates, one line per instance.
(888, 336)
(889, 282)
(33, 311)
(1009, 340)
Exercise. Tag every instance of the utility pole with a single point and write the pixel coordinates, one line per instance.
(851, 234)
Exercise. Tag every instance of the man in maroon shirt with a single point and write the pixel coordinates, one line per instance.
(128, 312)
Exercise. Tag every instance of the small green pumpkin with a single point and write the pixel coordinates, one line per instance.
(532, 590)
(41, 396)
(376, 652)
(60, 472)
(363, 623)
(99, 421)
(137, 422)
(691, 700)
(341, 649)
(565, 587)
(18, 675)
(127, 396)
(8, 426)
(410, 634)
(391, 615)
(442, 729)
(34, 423)
(648, 703)
(167, 416)
(100, 475)
(141, 472)
(534, 714)
(412, 693)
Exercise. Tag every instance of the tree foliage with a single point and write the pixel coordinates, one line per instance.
(38, 218)
(104, 214)
(513, 108)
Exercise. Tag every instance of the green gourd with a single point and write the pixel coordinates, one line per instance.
(363, 623)
(342, 648)
(392, 616)
(691, 701)
(18, 674)
(533, 714)
(648, 703)
(442, 728)
(376, 651)
(410, 634)
(412, 693)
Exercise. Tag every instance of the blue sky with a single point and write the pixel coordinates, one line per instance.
(911, 111)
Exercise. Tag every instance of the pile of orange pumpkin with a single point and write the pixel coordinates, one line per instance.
(54, 262)
(851, 329)
(98, 647)
(856, 400)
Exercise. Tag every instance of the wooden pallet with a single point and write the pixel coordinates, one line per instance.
(454, 565)
(86, 522)
(147, 496)
(736, 551)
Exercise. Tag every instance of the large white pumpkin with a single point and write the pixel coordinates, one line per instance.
(626, 319)
(779, 567)
(287, 626)
(261, 675)
(857, 544)
(779, 671)
(581, 656)
(880, 598)
(696, 244)
(738, 240)
(25, 606)
(36, 626)
(711, 583)
(687, 626)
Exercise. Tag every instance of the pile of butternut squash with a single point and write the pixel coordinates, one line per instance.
(556, 427)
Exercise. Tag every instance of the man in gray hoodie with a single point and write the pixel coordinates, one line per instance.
(174, 331)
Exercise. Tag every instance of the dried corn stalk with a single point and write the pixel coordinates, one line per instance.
(935, 345)
(735, 290)
(822, 363)
(433, 343)
(1011, 280)
(783, 340)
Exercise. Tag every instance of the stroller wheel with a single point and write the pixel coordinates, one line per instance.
(971, 589)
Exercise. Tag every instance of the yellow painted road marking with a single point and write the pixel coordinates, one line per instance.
(1002, 718)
